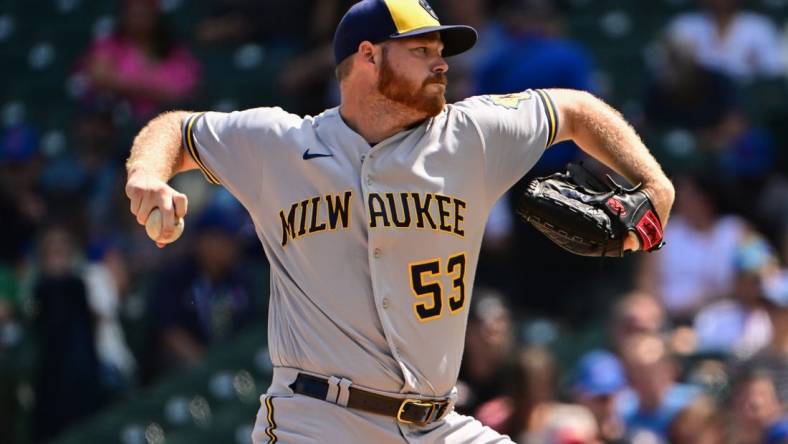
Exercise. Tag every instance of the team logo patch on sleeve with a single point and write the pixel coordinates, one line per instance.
(511, 101)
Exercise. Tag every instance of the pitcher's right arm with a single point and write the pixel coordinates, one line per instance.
(157, 155)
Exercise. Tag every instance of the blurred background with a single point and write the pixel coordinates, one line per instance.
(105, 338)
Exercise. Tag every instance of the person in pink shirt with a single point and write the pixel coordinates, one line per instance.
(140, 62)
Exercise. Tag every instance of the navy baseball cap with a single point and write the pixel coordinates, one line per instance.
(599, 373)
(380, 20)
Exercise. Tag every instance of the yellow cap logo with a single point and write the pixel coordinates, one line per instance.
(409, 15)
(428, 8)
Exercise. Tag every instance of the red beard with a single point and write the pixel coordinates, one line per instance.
(397, 89)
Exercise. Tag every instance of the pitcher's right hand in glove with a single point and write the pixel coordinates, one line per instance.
(589, 217)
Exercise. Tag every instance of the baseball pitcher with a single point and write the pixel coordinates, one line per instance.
(371, 215)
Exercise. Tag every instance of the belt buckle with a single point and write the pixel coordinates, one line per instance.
(432, 405)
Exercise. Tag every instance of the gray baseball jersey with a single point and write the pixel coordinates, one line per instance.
(373, 249)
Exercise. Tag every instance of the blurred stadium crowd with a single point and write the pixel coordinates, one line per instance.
(685, 345)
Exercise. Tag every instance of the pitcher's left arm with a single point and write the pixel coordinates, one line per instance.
(605, 135)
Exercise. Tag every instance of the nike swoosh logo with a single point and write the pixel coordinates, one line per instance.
(308, 155)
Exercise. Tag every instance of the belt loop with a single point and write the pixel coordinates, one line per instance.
(344, 391)
(333, 392)
(448, 408)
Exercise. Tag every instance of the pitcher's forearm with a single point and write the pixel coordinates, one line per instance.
(157, 150)
(602, 130)
(603, 133)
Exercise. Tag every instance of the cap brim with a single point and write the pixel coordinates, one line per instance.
(456, 38)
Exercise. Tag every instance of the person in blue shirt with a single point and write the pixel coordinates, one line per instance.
(756, 414)
(205, 298)
(777, 433)
(534, 54)
(598, 380)
(655, 397)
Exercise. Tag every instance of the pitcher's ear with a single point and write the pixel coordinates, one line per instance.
(367, 51)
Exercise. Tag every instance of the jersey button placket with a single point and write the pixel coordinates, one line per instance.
(376, 253)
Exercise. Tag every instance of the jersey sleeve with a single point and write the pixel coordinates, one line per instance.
(229, 147)
(515, 130)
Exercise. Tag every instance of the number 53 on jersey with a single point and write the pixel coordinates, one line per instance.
(427, 286)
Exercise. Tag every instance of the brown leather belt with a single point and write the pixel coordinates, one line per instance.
(407, 411)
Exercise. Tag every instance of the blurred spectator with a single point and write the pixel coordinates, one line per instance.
(710, 372)
(21, 204)
(599, 379)
(524, 395)
(105, 281)
(18, 224)
(65, 383)
(204, 298)
(487, 369)
(698, 268)
(739, 325)
(686, 94)
(699, 423)
(567, 424)
(22, 209)
(740, 43)
(532, 396)
(656, 396)
(755, 409)
(777, 433)
(636, 313)
(87, 175)
(534, 54)
(774, 357)
(141, 62)
(480, 15)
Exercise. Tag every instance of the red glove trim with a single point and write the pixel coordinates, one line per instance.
(649, 229)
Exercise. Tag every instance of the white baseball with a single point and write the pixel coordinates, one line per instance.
(153, 227)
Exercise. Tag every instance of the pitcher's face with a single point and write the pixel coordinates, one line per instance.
(413, 73)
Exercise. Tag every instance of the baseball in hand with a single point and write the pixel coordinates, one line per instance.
(153, 227)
